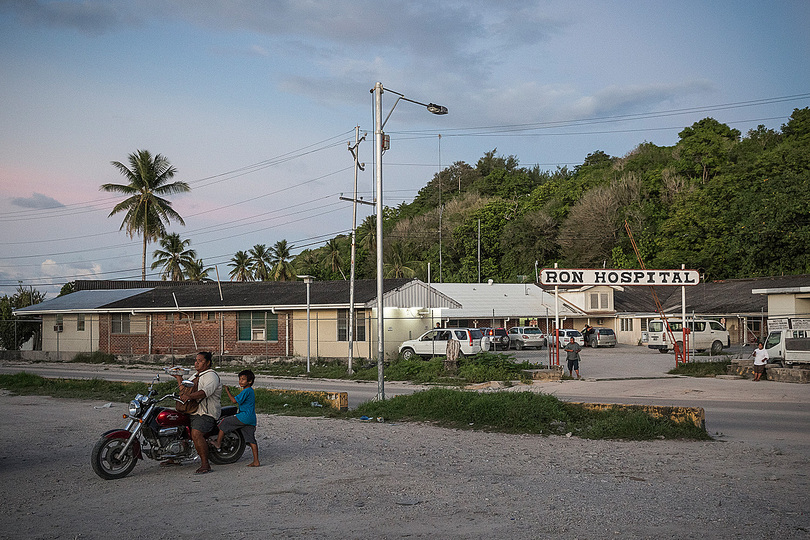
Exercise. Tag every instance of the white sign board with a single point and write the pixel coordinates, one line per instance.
(800, 324)
(778, 324)
(576, 277)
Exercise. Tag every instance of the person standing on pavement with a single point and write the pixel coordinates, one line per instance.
(572, 355)
(587, 334)
(760, 360)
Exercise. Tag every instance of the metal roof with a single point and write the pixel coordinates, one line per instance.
(500, 300)
(415, 293)
(235, 296)
(80, 301)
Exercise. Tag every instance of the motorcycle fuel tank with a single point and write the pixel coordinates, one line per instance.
(172, 418)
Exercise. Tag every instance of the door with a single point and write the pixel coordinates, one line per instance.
(434, 343)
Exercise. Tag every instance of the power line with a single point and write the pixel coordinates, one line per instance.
(623, 117)
(276, 192)
(116, 246)
(80, 208)
(135, 272)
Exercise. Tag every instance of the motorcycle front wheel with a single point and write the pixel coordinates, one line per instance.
(231, 449)
(106, 461)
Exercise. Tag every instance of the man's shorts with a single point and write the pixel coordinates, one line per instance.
(232, 423)
(573, 365)
(759, 369)
(203, 422)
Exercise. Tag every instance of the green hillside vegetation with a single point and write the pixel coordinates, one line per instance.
(728, 205)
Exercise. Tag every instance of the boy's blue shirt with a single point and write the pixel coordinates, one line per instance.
(246, 399)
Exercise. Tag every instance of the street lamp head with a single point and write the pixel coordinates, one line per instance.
(436, 109)
(307, 279)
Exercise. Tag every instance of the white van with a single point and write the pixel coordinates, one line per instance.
(704, 335)
(788, 347)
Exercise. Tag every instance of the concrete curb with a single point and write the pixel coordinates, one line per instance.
(681, 415)
(745, 368)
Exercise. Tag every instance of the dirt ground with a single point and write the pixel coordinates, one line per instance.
(355, 479)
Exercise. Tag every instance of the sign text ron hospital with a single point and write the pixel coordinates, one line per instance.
(559, 276)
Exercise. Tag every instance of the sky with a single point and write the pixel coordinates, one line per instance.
(256, 102)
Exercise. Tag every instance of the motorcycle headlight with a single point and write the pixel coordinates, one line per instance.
(134, 408)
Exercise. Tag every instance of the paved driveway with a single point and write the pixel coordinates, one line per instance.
(621, 362)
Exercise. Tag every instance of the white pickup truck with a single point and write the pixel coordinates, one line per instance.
(789, 347)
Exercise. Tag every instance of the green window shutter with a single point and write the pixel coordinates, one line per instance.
(271, 328)
(244, 325)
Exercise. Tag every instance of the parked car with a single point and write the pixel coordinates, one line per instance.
(567, 334)
(521, 337)
(602, 337)
(434, 342)
(704, 334)
(498, 337)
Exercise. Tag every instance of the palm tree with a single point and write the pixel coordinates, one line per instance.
(333, 260)
(282, 268)
(397, 264)
(147, 211)
(260, 260)
(174, 257)
(241, 267)
(308, 262)
(196, 271)
(367, 234)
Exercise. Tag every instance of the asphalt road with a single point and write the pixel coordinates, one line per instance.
(766, 413)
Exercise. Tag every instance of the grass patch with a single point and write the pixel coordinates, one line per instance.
(29, 384)
(267, 401)
(491, 367)
(701, 369)
(525, 412)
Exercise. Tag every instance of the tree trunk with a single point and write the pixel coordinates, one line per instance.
(143, 260)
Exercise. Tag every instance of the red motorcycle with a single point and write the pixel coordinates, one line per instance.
(159, 433)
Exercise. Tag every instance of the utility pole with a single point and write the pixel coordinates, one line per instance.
(441, 208)
(479, 251)
(357, 166)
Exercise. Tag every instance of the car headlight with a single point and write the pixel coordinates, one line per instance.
(134, 408)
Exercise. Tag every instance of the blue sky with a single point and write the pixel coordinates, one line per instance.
(255, 102)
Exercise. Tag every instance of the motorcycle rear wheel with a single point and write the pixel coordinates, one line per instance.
(107, 464)
(231, 449)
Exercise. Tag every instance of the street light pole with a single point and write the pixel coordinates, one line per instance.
(308, 280)
(379, 123)
(378, 144)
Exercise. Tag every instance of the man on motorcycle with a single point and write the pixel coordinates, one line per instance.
(209, 394)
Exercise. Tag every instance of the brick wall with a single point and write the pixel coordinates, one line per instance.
(173, 336)
(120, 343)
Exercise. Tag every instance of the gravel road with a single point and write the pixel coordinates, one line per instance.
(354, 479)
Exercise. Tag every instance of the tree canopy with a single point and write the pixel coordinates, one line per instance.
(726, 204)
(14, 330)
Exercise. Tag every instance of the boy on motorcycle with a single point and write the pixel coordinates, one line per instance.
(245, 419)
